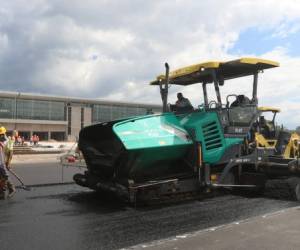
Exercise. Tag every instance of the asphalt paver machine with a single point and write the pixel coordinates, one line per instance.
(179, 153)
(270, 135)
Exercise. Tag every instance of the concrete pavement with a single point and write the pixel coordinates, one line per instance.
(42, 169)
(279, 230)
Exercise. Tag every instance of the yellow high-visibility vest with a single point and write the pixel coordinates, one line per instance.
(9, 145)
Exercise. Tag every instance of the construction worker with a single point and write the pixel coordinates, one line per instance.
(9, 150)
(6, 153)
(3, 173)
(182, 104)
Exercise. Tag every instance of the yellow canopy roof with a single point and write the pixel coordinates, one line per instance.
(266, 109)
(225, 70)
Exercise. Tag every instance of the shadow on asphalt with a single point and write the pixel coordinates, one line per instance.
(98, 201)
(106, 202)
(101, 202)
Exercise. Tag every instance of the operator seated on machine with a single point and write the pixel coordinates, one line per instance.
(264, 127)
(241, 100)
(182, 104)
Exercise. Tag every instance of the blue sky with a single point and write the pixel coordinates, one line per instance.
(256, 41)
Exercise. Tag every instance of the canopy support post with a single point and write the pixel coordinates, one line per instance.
(254, 93)
(205, 95)
(164, 85)
(216, 84)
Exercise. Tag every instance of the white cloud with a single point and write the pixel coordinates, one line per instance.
(112, 49)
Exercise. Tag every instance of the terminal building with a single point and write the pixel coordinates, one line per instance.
(61, 118)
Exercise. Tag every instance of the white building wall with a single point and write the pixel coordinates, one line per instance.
(87, 116)
(75, 122)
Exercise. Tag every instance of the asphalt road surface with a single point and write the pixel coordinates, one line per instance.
(71, 217)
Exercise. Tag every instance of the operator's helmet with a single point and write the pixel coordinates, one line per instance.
(2, 134)
(2, 131)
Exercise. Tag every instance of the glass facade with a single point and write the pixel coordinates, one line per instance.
(40, 110)
(18, 107)
(7, 108)
(31, 109)
(57, 112)
(104, 113)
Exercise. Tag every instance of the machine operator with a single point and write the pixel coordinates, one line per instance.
(182, 104)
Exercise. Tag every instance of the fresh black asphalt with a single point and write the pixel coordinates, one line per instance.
(71, 217)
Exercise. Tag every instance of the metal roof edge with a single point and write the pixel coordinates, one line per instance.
(37, 96)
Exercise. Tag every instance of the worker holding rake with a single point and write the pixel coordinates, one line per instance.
(5, 160)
